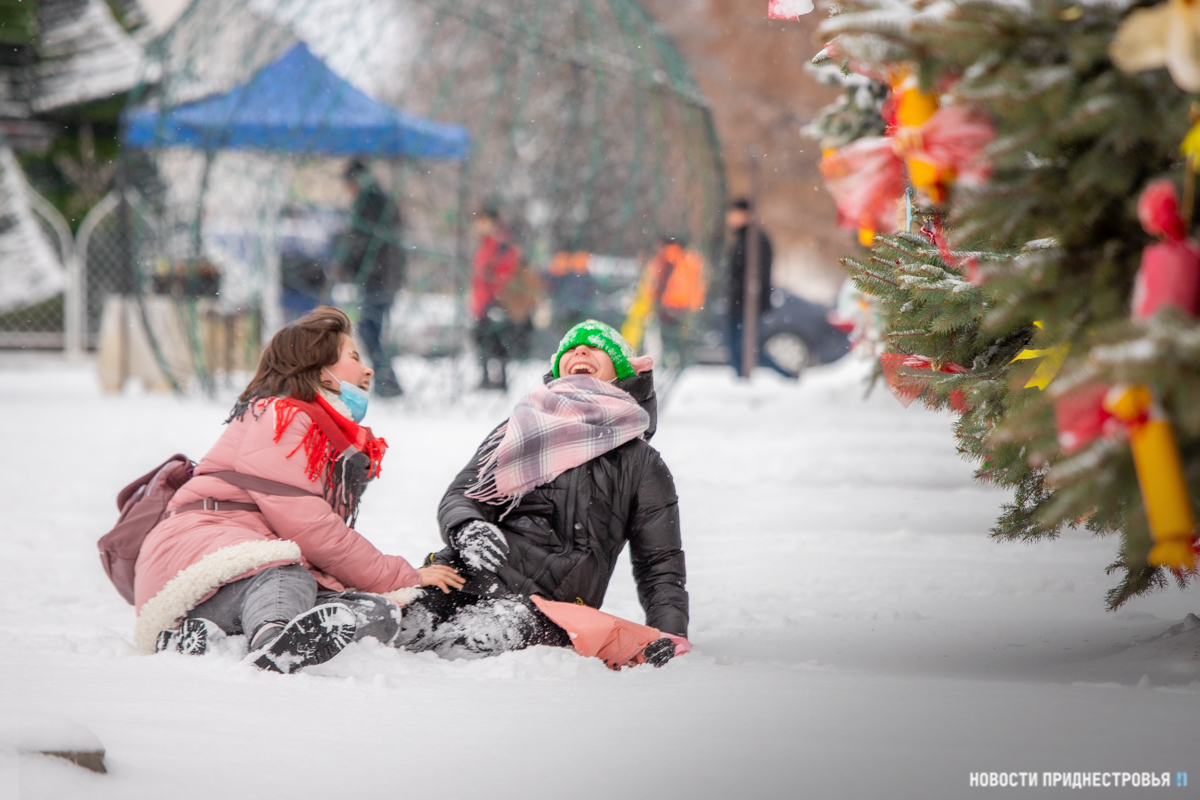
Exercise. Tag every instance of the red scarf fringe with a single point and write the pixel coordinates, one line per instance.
(328, 437)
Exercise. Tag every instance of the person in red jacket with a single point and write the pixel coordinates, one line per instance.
(496, 263)
(277, 557)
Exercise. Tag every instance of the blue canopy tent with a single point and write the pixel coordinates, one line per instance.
(296, 104)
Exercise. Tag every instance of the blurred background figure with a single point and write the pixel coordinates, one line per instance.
(737, 220)
(304, 256)
(502, 298)
(573, 290)
(670, 294)
(588, 202)
(373, 259)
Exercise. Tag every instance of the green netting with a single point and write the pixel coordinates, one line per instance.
(587, 131)
(18, 23)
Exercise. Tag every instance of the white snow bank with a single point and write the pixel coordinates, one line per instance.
(857, 634)
(40, 733)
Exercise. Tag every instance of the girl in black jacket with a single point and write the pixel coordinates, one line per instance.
(547, 504)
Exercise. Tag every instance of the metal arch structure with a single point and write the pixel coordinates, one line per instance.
(587, 131)
(593, 133)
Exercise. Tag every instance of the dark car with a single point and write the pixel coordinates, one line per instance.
(795, 333)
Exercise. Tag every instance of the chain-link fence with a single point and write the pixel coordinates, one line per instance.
(36, 248)
(579, 122)
(153, 319)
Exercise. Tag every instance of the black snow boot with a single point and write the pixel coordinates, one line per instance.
(192, 638)
(312, 638)
(659, 652)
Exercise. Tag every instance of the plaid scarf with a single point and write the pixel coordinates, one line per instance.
(556, 427)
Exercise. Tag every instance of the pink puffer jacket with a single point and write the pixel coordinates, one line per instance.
(188, 556)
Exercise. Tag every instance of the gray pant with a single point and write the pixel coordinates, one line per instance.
(279, 594)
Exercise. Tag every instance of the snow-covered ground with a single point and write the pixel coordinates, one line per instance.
(857, 634)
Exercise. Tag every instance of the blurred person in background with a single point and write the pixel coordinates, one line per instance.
(572, 287)
(374, 260)
(737, 220)
(671, 291)
(302, 264)
(493, 272)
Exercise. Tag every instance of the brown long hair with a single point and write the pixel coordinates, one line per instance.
(291, 363)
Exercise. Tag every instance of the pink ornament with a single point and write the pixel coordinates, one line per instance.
(1080, 417)
(866, 180)
(788, 9)
(1170, 271)
(1158, 211)
(906, 387)
(1169, 276)
(953, 141)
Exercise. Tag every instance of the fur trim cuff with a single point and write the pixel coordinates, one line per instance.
(183, 592)
(404, 595)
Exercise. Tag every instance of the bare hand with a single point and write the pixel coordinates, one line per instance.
(441, 576)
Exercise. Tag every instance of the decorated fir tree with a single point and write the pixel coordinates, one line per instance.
(857, 111)
(1028, 148)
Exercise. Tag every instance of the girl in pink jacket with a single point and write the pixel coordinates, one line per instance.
(261, 540)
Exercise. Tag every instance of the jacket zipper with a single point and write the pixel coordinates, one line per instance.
(572, 491)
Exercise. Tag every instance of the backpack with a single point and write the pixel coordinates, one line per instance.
(143, 504)
(521, 293)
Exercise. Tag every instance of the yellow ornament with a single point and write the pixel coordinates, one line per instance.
(913, 107)
(1053, 358)
(1191, 145)
(1160, 476)
(929, 179)
(1128, 403)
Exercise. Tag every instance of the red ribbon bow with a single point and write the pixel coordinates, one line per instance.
(906, 388)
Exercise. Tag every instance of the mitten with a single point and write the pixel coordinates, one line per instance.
(659, 652)
(481, 544)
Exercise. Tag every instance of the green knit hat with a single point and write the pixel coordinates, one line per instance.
(600, 336)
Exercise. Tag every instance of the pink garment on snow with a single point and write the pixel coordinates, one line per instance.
(188, 556)
(615, 641)
(556, 427)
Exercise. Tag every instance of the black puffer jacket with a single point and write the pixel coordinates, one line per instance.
(564, 537)
(374, 256)
(737, 256)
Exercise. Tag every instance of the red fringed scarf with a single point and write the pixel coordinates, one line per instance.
(329, 436)
(331, 444)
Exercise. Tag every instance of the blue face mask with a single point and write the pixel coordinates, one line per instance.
(355, 399)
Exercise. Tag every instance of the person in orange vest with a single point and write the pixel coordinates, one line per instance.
(672, 289)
